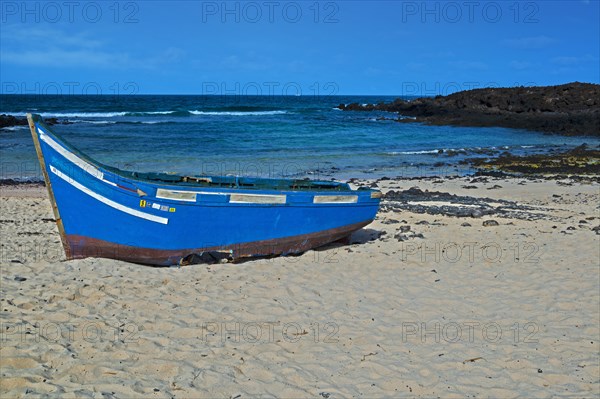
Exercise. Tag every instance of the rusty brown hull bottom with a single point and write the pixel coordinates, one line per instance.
(85, 247)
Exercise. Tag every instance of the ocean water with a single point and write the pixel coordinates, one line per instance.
(267, 136)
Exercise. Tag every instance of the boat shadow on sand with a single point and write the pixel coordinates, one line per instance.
(359, 237)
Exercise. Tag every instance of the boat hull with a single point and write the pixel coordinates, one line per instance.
(84, 247)
(103, 213)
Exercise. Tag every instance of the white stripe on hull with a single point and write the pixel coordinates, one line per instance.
(104, 200)
(91, 169)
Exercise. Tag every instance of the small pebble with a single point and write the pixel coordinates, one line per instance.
(404, 229)
(489, 223)
(400, 237)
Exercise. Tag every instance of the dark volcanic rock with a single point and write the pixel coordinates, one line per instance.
(441, 203)
(491, 222)
(404, 229)
(569, 109)
(9, 120)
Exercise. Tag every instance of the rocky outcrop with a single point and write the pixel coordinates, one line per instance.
(569, 109)
(10, 120)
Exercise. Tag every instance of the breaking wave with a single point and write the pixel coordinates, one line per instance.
(233, 112)
(237, 113)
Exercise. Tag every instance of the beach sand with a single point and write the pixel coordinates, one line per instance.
(434, 309)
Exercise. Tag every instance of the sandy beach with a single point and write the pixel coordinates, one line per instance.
(497, 305)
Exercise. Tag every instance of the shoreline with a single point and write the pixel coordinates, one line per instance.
(580, 164)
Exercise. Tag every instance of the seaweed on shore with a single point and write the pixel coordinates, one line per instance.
(578, 161)
(22, 183)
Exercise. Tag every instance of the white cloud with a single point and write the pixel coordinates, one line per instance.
(35, 36)
(54, 57)
(416, 66)
(520, 65)
(249, 62)
(372, 71)
(531, 42)
(473, 65)
(573, 61)
(49, 47)
(438, 54)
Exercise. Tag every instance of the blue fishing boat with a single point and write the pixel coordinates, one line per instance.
(166, 219)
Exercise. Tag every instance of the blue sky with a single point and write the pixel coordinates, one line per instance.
(288, 47)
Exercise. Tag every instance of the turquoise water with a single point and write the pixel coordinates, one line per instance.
(270, 136)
